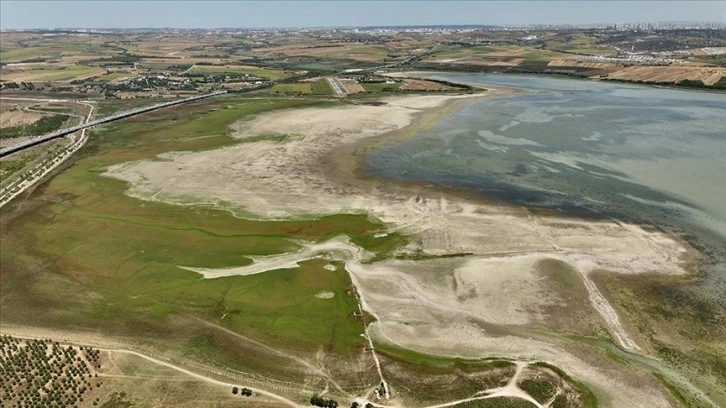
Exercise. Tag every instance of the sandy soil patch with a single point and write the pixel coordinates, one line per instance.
(339, 248)
(14, 117)
(564, 62)
(352, 86)
(423, 85)
(470, 306)
(325, 295)
(477, 60)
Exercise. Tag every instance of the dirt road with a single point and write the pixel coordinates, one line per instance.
(68, 338)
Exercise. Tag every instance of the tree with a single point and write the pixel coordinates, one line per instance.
(235, 390)
(319, 401)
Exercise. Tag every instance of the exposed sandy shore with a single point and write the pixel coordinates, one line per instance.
(464, 306)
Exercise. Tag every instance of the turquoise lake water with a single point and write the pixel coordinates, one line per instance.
(579, 146)
(650, 155)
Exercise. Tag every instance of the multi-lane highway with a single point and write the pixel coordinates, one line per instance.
(60, 133)
(15, 186)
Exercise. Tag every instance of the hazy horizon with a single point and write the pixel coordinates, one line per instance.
(313, 14)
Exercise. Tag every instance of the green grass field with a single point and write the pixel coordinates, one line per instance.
(319, 87)
(52, 47)
(461, 378)
(26, 53)
(367, 53)
(540, 54)
(303, 88)
(80, 254)
(114, 75)
(446, 52)
(272, 74)
(381, 87)
(52, 74)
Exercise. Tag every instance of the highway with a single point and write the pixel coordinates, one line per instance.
(17, 185)
(60, 133)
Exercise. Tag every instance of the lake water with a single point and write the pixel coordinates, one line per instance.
(588, 148)
(636, 153)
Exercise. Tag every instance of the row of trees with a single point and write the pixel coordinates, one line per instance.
(28, 86)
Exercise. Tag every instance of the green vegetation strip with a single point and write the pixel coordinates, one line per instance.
(540, 389)
(381, 87)
(321, 87)
(42, 126)
(461, 378)
(298, 89)
(257, 72)
(673, 390)
(500, 402)
(588, 397)
(10, 166)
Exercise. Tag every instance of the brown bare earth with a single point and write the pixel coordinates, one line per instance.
(13, 115)
(564, 62)
(352, 86)
(423, 85)
(709, 75)
(478, 60)
(348, 51)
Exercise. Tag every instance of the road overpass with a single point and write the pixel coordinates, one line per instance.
(60, 133)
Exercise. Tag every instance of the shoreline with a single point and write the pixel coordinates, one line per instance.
(437, 303)
(339, 169)
(665, 86)
(346, 165)
(704, 241)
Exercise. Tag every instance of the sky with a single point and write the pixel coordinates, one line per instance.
(265, 14)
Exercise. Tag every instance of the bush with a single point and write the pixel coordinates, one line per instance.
(319, 401)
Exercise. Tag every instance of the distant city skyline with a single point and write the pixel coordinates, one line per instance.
(291, 14)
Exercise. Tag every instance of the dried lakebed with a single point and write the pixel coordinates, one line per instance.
(518, 276)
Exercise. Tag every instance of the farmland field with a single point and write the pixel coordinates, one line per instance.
(51, 74)
(292, 88)
(381, 87)
(115, 75)
(353, 52)
(239, 70)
